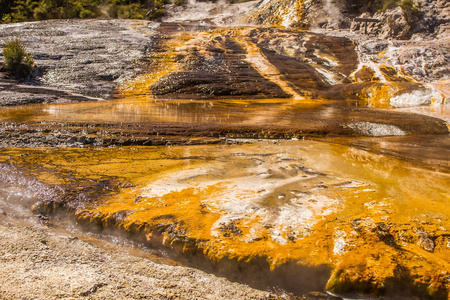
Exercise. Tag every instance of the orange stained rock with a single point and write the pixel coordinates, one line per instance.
(378, 95)
(260, 63)
(443, 88)
(369, 218)
(392, 75)
(162, 63)
(284, 13)
(365, 74)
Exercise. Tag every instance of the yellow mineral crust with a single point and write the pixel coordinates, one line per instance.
(282, 12)
(375, 222)
(161, 63)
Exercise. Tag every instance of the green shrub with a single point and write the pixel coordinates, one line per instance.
(83, 9)
(22, 10)
(131, 11)
(16, 60)
(389, 4)
(372, 6)
(27, 10)
(411, 11)
(182, 3)
(40, 13)
(156, 13)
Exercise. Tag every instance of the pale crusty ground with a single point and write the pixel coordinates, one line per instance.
(37, 262)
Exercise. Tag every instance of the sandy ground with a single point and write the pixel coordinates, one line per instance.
(40, 263)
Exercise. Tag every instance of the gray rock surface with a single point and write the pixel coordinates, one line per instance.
(373, 47)
(375, 129)
(432, 21)
(427, 60)
(90, 57)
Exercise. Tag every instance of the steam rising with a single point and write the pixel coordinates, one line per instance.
(328, 15)
(212, 13)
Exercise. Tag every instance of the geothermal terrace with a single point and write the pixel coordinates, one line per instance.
(196, 160)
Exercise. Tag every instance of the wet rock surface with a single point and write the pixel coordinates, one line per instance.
(312, 63)
(12, 94)
(103, 124)
(256, 215)
(213, 66)
(83, 135)
(403, 147)
(374, 129)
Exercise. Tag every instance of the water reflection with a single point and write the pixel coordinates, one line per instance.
(429, 151)
(307, 116)
(168, 111)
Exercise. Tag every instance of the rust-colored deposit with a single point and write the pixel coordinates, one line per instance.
(170, 162)
(312, 203)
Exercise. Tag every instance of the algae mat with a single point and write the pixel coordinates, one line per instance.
(360, 221)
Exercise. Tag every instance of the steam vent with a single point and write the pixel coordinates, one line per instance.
(270, 149)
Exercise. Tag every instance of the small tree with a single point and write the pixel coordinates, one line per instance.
(16, 60)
